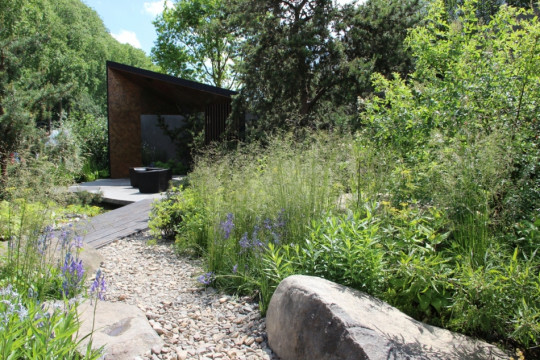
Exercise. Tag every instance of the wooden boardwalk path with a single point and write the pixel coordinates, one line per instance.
(116, 224)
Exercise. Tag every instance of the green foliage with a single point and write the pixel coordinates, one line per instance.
(345, 249)
(176, 167)
(325, 51)
(465, 81)
(499, 300)
(39, 263)
(193, 43)
(375, 37)
(52, 68)
(180, 216)
(432, 207)
(35, 260)
(29, 331)
(92, 136)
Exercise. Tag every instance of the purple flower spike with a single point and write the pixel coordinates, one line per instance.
(78, 242)
(72, 272)
(267, 224)
(244, 241)
(228, 225)
(99, 287)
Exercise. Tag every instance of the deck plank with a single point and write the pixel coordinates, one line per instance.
(116, 224)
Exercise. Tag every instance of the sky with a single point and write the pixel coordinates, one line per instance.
(130, 21)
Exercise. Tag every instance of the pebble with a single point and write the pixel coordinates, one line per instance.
(194, 322)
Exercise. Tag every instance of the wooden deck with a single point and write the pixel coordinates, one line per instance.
(116, 224)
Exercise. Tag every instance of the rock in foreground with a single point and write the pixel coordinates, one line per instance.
(312, 318)
(123, 329)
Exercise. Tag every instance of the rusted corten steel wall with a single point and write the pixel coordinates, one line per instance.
(132, 92)
(124, 106)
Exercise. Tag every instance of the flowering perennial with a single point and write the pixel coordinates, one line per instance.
(98, 287)
(73, 273)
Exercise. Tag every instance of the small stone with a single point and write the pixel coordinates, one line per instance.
(150, 315)
(249, 341)
(222, 300)
(156, 349)
(157, 327)
(122, 297)
(259, 339)
(218, 337)
(181, 354)
(165, 350)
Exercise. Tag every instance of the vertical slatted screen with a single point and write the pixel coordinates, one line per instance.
(215, 117)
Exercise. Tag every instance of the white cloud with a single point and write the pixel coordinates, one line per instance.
(127, 37)
(155, 8)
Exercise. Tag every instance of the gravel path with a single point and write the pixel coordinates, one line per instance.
(194, 322)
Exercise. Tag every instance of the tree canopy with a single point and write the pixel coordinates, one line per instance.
(52, 64)
(193, 42)
(305, 62)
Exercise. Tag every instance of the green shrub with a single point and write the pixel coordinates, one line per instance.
(500, 300)
(180, 216)
(177, 167)
(92, 137)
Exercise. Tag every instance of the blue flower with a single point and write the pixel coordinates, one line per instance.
(98, 287)
(207, 278)
(280, 222)
(11, 304)
(73, 272)
(44, 240)
(78, 243)
(267, 224)
(235, 269)
(228, 225)
(244, 241)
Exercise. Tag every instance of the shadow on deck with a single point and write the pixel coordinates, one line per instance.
(116, 224)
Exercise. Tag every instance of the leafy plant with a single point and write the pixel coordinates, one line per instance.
(31, 331)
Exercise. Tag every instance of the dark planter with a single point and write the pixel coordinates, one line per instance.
(133, 177)
(150, 180)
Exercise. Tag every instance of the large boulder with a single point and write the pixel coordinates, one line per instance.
(312, 318)
(123, 329)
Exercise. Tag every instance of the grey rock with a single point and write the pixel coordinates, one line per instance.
(312, 318)
(121, 328)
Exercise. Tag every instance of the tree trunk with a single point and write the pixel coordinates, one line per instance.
(3, 166)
